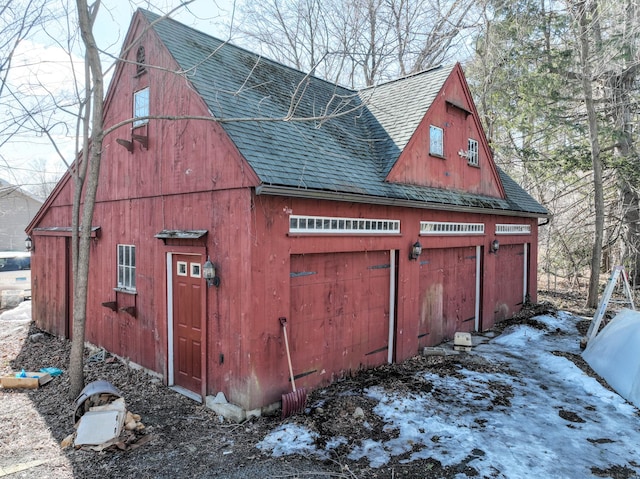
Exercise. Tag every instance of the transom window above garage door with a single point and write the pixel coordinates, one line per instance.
(507, 229)
(448, 228)
(335, 225)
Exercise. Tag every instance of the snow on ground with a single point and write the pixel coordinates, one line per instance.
(21, 313)
(541, 416)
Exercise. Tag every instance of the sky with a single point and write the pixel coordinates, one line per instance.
(42, 70)
(526, 439)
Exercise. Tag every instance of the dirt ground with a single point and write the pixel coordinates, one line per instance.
(182, 438)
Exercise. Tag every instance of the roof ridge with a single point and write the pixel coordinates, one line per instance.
(406, 77)
(251, 53)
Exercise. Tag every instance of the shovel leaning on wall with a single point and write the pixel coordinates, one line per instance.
(294, 401)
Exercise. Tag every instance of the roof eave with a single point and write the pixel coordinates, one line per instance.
(276, 190)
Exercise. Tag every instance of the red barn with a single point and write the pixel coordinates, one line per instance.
(314, 221)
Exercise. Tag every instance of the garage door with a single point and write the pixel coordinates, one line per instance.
(447, 293)
(339, 313)
(510, 280)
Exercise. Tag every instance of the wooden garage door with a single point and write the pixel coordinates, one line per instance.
(339, 313)
(509, 280)
(447, 293)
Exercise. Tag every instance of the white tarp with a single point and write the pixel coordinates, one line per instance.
(613, 354)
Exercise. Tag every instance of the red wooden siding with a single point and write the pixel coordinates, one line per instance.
(51, 285)
(339, 313)
(183, 155)
(509, 280)
(447, 293)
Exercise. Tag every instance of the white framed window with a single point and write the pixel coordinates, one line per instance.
(345, 226)
(472, 153)
(513, 229)
(436, 141)
(127, 267)
(196, 270)
(448, 228)
(181, 267)
(141, 106)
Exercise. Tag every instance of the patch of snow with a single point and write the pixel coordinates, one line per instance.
(290, 439)
(548, 419)
(21, 313)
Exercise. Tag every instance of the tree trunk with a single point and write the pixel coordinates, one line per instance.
(86, 17)
(596, 253)
(622, 86)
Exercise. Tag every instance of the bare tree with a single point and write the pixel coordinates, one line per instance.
(294, 33)
(17, 21)
(360, 42)
(428, 33)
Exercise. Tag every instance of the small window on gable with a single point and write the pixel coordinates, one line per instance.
(141, 106)
(127, 267)
(140, 61)
(436, 141)
(472, 153)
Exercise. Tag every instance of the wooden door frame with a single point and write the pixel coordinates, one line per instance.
(393, 302)
(68, 286)
(170, 339)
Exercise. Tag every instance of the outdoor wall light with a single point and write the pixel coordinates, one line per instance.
(28, 243)
(494, 247)
(209, 274)
(415, 251)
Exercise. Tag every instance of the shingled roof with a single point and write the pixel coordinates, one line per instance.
(348, 148)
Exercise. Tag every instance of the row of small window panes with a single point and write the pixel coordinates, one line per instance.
(433, 227)
(342, 224)
(512, 229)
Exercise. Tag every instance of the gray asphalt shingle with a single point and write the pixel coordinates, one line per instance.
(350, 152)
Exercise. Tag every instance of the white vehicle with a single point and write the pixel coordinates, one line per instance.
(15, 274)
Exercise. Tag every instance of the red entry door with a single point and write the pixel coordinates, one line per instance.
(188, 319)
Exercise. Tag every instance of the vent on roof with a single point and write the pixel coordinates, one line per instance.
(446, 228)
(504, 229)
(335, 225)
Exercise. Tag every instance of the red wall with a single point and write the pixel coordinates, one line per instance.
(273, 246)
